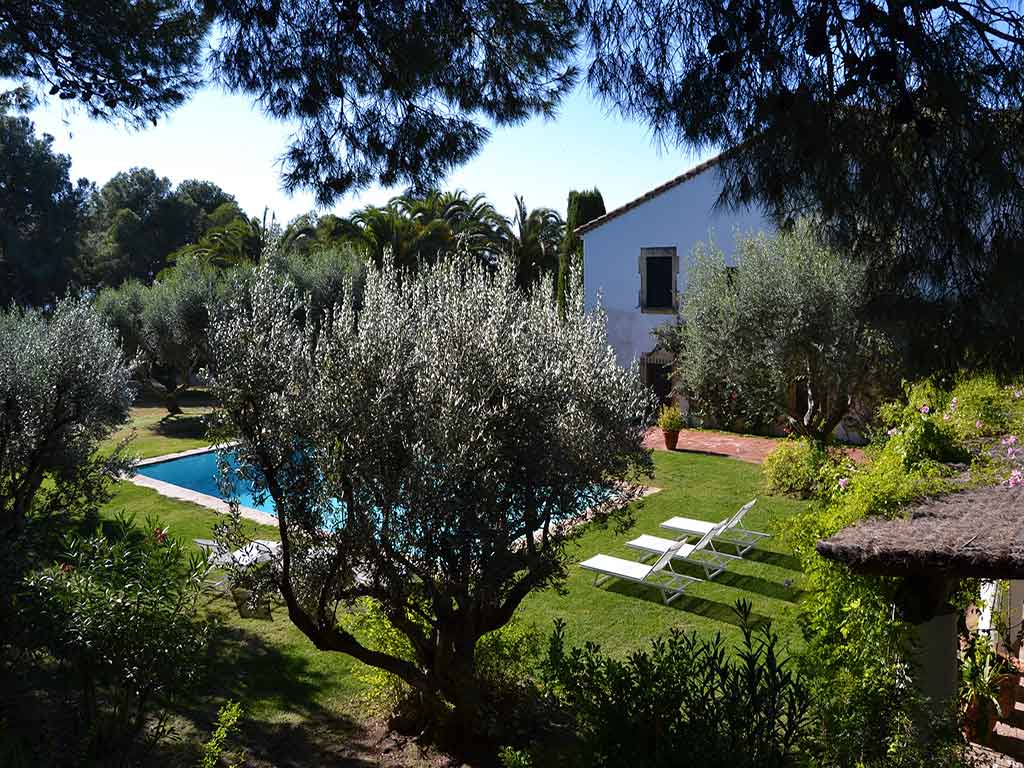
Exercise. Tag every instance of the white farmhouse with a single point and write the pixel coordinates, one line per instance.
(635, 258)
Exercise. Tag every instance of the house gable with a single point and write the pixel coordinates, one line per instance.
(672, 218)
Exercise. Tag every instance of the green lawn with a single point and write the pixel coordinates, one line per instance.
(286, 684)
(622, 616)
(154, 432)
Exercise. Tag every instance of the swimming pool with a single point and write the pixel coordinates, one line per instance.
(198, 473)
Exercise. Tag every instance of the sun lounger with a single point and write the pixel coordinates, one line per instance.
(702, 554)
(733, 532)
(253, 553)
(670, 583)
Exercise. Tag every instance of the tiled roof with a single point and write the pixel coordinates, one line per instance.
(697, 170)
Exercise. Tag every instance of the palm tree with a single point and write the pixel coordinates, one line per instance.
(241, 240)
(478, 227)
(533, 240)
(394, 228)
(421, 227)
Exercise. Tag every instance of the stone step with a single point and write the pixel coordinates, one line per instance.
(1009, 741)
(1016, 717)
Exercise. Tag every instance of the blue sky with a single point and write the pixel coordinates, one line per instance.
(221, 137)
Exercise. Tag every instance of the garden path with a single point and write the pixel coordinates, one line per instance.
(750, 448)
(744, 447)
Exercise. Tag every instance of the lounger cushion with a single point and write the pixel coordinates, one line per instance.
(617, 566)
(699, 527)
(658, 545)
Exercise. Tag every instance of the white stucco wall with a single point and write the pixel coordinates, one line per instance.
(682, 217)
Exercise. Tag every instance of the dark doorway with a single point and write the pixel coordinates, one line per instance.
(659, 378)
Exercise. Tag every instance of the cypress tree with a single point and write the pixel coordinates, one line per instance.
(582, 208)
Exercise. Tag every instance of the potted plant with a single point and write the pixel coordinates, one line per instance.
(1008, 685)
(671, 421)
(980, 673)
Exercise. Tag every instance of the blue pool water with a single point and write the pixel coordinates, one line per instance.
(198, 472)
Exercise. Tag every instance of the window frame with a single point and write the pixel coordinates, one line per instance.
(658, 251)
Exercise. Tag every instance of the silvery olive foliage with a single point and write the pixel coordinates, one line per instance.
(64, 387)
(432, 452)
(164, 325)
(788, 314)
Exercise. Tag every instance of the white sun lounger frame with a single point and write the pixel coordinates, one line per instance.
(733, 533)
(668, 582)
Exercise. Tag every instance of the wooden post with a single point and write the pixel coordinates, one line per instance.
(937, 659)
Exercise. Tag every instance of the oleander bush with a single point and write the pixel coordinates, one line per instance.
(685, 700)
(118, 613)
(792, 468)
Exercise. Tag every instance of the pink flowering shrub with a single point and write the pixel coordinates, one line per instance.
(975, 407)
(121, 613)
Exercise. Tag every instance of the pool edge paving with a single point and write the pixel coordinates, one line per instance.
(184, 494)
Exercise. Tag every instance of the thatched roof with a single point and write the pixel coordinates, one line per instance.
(978, 532)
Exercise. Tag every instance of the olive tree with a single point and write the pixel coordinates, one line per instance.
(64, 387)
(787, 316)
(163, 326)
(434, 453)
(175, 317)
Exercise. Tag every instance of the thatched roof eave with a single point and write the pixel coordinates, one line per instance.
(972, 533)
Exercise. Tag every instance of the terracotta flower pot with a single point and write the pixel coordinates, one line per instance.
(671, 438)
(979, 725)
(1007, 695)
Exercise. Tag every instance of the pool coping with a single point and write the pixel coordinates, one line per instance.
(184, 494)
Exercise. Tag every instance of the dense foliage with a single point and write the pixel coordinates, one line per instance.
(118, 612)
(900, 124)
(119, 59)
(137, 227)
(40, 213)
(533, 238)
(793, 467)
(136, 220)
(64, 388)
(393, 93)
(583, 207)
(419, 228)
(859, 658)
(463, 428)
(685, 695)
(165, 326)
(785, 321)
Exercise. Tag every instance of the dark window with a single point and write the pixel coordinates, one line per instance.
(659, 378)
(659, 282)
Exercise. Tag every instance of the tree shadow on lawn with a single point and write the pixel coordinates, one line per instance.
(709, 609)
(181, 426)
(253, 670)
(764, 587)
(778, 559)
(190, 398)
(247, 668)
(744, 582)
